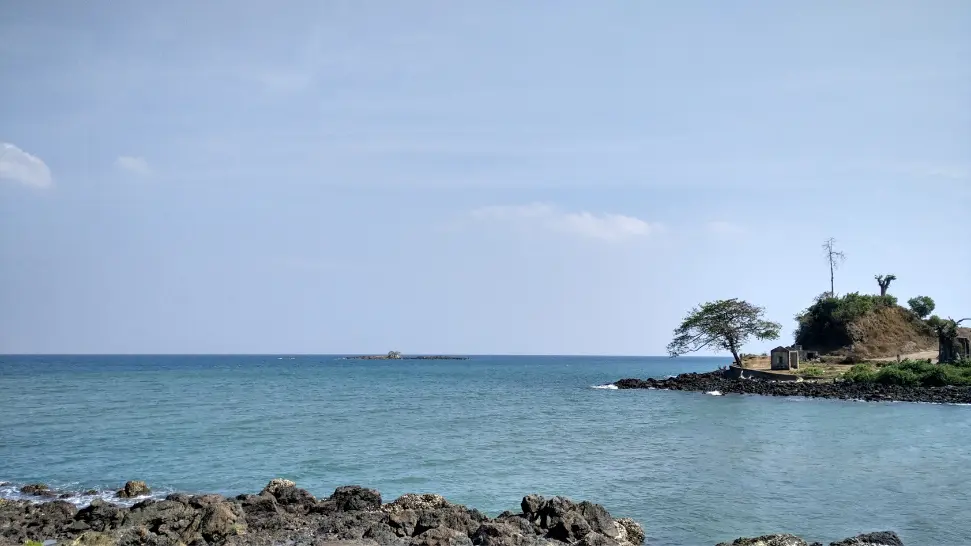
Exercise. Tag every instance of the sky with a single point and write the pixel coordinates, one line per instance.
(480, 178)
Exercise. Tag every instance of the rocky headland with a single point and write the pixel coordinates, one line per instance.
(284, 515)
(845, 390)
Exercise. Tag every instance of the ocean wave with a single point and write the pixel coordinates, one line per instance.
(714, 393)
(69, 493)
(608, 386)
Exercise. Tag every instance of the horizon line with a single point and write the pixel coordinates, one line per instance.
(370, 354)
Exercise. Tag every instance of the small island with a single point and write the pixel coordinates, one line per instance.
(855, 347)
(396, 355)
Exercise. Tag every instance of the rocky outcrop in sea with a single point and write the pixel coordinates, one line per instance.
(284, 515)
(716, 381)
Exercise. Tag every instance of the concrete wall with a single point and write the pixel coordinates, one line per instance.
(776, 356)
(734, 372)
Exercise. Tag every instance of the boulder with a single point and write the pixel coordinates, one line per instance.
(403, 522)
(134, 488)
(263, 513)
(502, 534)
(596, 539)
(767, 540)
(37, 489)
(441, 536)
(450, 516)
(384, 535)
(101, 515)
(275, 484)
(412, 501)
(220, 520)
(631, 531)
(883, 538)
(91, 538)
(350, 525)
(355, 497)
(169, 519)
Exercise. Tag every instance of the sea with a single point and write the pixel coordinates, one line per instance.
(692, 468)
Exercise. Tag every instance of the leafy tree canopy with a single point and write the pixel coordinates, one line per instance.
(722, 324)
(921, 305)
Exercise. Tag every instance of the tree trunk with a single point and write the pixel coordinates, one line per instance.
(883, 289)
(832, 284)
(738, 359)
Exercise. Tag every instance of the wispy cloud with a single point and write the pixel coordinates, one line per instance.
(21, 167)
(133, 165)
(542, 216)
(721, 227)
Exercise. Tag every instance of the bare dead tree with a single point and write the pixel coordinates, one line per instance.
(884, 282)
(835, 259)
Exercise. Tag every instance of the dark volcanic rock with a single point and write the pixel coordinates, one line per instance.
(37, 489)
(284, 515)
(884, 538)
(101, 516)
(134, 489)
(767, 540)
(21, 521)
(355, 497)
(716, 381)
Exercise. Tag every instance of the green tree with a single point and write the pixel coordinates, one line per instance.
(722, 324)
(884, 282)
(921, 305)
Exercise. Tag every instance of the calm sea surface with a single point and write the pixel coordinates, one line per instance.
(694, 469)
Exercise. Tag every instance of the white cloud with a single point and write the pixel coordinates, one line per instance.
(605, 227)
(19, 166)
(133, 165)
(720, 227)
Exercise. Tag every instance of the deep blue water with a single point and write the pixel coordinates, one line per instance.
(694, 469)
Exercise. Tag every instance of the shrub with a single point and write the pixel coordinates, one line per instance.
(861, 373)
(825, 323)
(896, 375)
(912, 373)
(811, 371)
(921, 305)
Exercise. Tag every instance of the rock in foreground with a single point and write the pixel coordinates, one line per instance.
(284, 515)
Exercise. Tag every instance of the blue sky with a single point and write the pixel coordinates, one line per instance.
(502, 177)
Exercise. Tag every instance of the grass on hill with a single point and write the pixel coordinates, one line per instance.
(912, 373)
(866, 325)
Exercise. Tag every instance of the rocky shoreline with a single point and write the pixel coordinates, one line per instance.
(717, 381)
(285, 515)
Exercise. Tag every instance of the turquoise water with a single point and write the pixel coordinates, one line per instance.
(694, 469)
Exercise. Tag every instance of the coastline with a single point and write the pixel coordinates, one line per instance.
(284, 514)
(716, 381)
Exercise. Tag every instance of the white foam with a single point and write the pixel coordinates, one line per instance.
(714, 393)
(608, 386)
(11, 491)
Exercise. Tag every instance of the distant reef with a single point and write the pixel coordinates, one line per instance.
(283, 514)
(399, 357)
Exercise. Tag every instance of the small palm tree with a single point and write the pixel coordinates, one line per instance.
(394, 355)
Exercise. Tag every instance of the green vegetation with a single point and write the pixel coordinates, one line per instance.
(33, 543)
(811, 371)
(912, 373)
(723, 324)
(922, 306)
(824, 325)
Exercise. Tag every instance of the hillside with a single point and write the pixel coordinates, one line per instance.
(863, 326)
